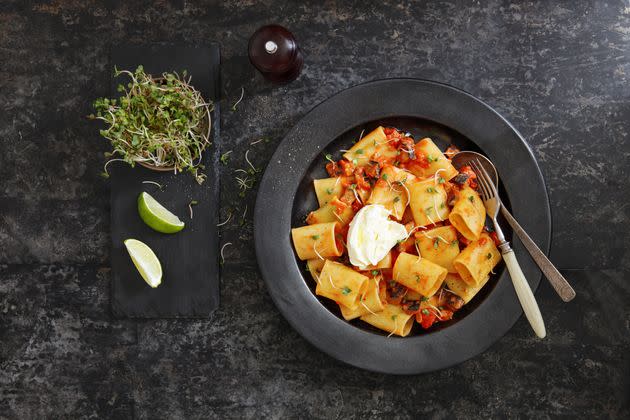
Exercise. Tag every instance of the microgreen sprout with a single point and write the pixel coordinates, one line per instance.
(225, 157)
(153, 183)
(192, 203)
(162, 122)
(226, 220)
(223, 251)
(239, 99)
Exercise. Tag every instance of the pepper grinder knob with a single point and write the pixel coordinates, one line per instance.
(274, 52)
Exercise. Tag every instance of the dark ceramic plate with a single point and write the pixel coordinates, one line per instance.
(424, 108)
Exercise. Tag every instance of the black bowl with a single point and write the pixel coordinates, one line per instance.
(286, 195)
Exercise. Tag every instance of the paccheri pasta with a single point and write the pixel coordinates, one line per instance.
(387, 184)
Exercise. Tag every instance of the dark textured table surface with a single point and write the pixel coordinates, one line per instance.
(557, 70)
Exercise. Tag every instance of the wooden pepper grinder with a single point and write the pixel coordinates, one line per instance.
(275, 53)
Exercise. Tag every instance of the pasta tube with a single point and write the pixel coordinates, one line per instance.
(418, 274)
(392, 319)
(316, 241)
(341, 284)
(476, 261)
(469, 214)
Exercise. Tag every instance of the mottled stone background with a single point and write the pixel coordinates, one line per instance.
(558, 70)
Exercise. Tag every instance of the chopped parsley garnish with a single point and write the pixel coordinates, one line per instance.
(428, 210)
(385, 177)
(431, 159)
(425, 311)
(353, 186)
(346, 290)
(329, 191)
(328, 157)
(455, 242)
(436, 243)
(354, 162)
(441, 180)
(359, 152)
(442, 205)
(424, 298)
(471, 198)
(394, 317)
(489, 256)
(417, 278)
(315, 237)
(374, 272)
(396, 199)
(431, 190)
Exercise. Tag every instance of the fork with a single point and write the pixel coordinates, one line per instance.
(523, 291)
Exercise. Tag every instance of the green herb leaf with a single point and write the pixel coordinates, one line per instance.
(489, 256)
(358, 152)
(329, 158)
(329, 191)
(425, 311)
(431, 190)
(315, 237)
(346, 290)
(225, 157)
(424, 298)
(394, 317)
(384, 177)
(471, 198)
(396, 199)
(374, 272)
(441, 180)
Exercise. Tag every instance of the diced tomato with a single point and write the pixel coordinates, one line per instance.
(389, 130)
(421, 158)
(426, 320)
(495, 238)
(340, 206)
(483, 240)
(347, 167)
(356, 205)
(445, 315)
(360, 180)
(373, 170)
(333, 169)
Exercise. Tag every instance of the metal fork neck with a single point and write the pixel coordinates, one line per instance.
(505, 247)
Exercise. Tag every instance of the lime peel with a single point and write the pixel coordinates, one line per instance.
(146, 262)
(156, 216)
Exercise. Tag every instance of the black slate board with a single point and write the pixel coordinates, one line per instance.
(190, 283)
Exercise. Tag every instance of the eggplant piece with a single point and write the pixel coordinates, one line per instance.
(460, 178)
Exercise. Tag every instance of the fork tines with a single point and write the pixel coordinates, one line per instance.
(488, 190)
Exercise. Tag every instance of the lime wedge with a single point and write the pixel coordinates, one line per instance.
(156, 216)
(145, 261)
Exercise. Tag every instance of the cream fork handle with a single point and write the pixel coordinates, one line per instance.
(525, 295)
(557, 280)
